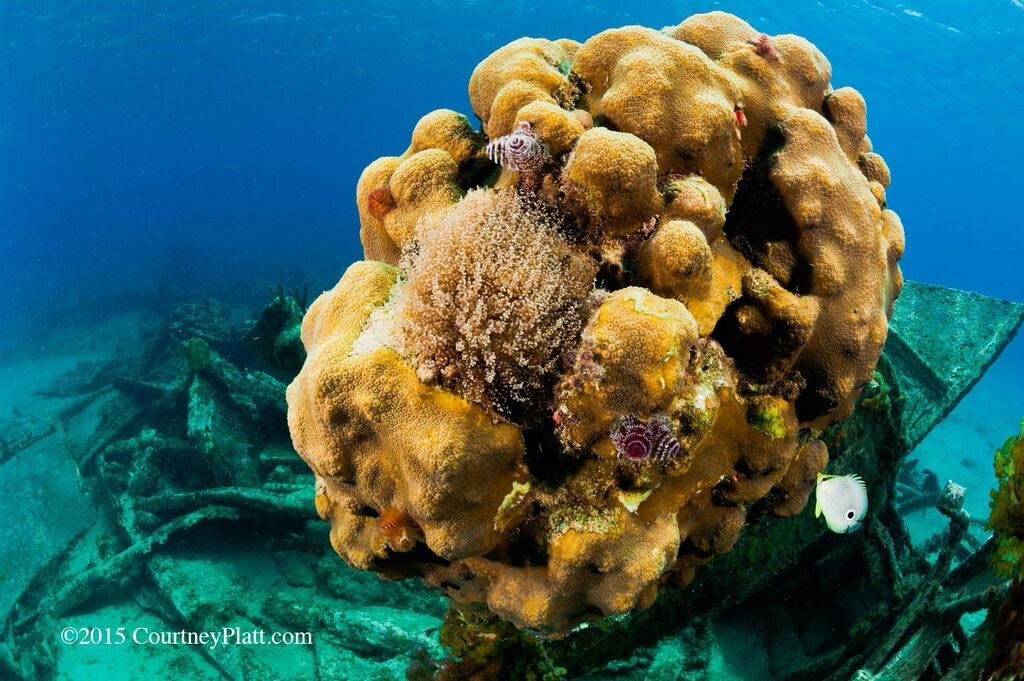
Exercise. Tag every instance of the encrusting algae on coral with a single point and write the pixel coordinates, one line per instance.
(577, 361)
(1007, 517)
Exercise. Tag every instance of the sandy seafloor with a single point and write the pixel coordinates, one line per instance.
(960, 449)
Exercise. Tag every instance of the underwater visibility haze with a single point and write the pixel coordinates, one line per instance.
(512, 340)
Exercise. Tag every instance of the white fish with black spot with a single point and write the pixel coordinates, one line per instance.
(843, 499)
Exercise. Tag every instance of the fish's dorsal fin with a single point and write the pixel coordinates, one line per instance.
(817, 501)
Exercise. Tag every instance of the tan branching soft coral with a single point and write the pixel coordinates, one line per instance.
(495, 298)
(575, 380)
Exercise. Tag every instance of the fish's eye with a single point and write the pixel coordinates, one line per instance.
(850, 514)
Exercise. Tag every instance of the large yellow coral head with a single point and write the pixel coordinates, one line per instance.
(581, 357)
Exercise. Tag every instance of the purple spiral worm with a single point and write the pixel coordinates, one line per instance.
(522, 150)
(637, 440)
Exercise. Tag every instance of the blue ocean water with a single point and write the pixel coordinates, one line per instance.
(150, 146)
(166, 151)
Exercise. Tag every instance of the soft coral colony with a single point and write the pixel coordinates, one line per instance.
(573, 365)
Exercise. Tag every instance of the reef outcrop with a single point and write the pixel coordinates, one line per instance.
(558, 383)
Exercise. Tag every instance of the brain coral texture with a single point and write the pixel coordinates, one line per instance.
(555, 385)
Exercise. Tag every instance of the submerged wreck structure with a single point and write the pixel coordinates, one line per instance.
(180, 510)
(582, 387)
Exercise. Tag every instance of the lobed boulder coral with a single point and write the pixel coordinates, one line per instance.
(554, 386)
